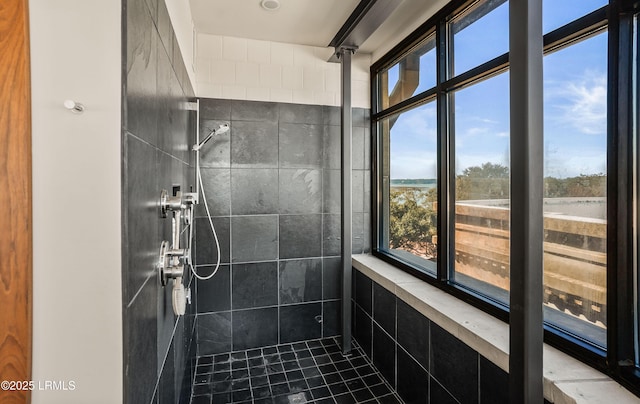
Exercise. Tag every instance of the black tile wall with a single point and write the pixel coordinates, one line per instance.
(362, 329)
(215, 109)
(384, 358)
(219, 201)
(412, 384)
(156, 132)
(363, 292)
(167, 386)
(214, 332)
(141, 333)
(300, 191)
(331, 235)
(422, 361)
(331, 278)
(215, 295)
(140, 216)
(254, 238)
(331, 191)
(301, 145)
(205, 251)
(273, 182)
(255, 328)
(299, 281)
(440, 395)
(254, 191)
(300, 236)
(254, 285)
(254, 111)
(255, 145)
(452, 361)
(331, 317)
(493, 383)
(300, 322)
(413, 333)
(384, 309)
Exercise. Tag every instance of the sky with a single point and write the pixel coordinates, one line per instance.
(574, 102)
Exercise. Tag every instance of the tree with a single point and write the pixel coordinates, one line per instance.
(584, 185)
(489, 181)
(412, 222)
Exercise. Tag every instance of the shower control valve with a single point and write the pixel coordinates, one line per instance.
(169, 203)
(189, 201)
(170, 263)
(190, 198)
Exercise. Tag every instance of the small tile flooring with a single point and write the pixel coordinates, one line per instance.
(305, 372)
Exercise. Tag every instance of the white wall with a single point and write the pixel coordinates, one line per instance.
(77, 301)
(247, 69)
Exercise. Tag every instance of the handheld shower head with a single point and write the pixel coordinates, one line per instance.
(221, 129)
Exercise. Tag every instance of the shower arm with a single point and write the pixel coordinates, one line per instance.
(221, 129)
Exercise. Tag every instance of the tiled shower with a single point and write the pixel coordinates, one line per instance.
(273, 185)
(156, 130)
(266, 327)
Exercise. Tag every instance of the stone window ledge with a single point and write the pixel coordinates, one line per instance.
(566, 380)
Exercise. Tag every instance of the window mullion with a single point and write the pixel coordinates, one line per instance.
(620, 193)
(445, 229)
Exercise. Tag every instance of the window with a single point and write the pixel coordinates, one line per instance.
(480, 34)
(575, 188)
(414, 73)
(556, 13)
(442, 177)
(481, 138)
(410, 185)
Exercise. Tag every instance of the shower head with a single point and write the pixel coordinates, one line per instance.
(221, 129)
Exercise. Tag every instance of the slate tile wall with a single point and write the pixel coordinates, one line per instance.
(422, 361)
(156, 130)
(273, 184)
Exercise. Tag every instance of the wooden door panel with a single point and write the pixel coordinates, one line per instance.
(15, 200)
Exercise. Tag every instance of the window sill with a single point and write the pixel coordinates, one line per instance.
(566, 380)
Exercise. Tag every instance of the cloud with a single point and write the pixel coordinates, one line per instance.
(417, 125)
(581, 104)
(475, 131)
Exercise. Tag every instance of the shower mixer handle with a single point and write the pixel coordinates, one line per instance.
(181, 201)
(171, 262)
(172, 272)
(190, 198)
(170, 203)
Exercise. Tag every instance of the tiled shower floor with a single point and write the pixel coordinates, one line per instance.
(305, 372)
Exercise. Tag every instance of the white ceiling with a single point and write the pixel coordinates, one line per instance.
(306, 22)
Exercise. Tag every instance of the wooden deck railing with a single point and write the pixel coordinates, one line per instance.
(574, 256)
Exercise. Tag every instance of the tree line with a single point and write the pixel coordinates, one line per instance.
(412, 215)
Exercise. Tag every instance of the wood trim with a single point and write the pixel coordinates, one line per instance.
(16, 245)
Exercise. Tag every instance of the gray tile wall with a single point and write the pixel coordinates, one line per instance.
(159, 346)
(422, 361)
(273, 185)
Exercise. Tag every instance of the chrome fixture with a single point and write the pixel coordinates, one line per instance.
(170, 263)
(169, 203)
(172, 259)
(221, 129)
(177, 203)
(73, 106)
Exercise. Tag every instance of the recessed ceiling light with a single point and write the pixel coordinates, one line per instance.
(270, 5)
